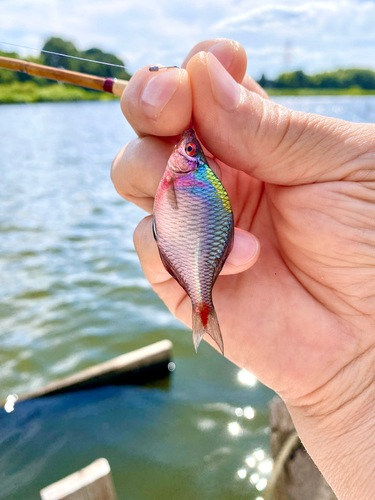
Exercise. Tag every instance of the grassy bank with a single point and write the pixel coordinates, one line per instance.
(308, 92)
(27, 92)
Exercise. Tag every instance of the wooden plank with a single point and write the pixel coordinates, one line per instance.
(94, 482)
(295, 476)
(136, 367)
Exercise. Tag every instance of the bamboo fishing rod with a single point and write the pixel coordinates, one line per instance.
(111, 85)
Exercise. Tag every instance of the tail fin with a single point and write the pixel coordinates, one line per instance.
(206, 323)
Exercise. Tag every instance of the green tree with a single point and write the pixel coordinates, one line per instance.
(293, 80)
(263, 82)
(364, 78)
(101, 69)
(60, 46)
(339, 79)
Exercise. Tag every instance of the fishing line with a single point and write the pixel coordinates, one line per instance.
(69, 56)
(151, 68)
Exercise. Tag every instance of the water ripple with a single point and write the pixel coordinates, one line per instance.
(73, 294)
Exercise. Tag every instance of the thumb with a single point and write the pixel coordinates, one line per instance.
(269, 141)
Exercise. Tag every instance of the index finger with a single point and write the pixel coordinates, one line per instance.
(160, 103)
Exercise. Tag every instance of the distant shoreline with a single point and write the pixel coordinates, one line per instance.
(318, 92)
(30, 92)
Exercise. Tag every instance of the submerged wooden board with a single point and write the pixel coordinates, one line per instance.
(94, 482)
(136, 367)
(295, 476)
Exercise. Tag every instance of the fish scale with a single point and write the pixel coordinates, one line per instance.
(193, 227)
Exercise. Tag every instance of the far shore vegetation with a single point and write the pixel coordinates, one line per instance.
(307, 92)
(339, 82)
(16, 87)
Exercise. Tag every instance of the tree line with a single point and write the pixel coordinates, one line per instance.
(340, 79)
(62, 46)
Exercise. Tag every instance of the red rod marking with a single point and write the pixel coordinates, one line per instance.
(108, 85)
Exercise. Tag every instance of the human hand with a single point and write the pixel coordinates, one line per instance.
(301, 319)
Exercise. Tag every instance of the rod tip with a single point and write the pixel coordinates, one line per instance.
(158, 68)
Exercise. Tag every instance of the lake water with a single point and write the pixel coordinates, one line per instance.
(72, 295)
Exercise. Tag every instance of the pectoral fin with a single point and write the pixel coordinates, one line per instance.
(172, 271)
(172, 197)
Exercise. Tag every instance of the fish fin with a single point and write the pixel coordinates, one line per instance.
(172, 197)
(171, 271)
(206, 323)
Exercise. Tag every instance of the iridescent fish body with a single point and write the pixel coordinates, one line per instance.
(193, 227)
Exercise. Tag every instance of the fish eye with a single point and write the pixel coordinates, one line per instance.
(190, 149)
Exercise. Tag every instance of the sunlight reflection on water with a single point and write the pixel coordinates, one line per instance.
(246, 378)
(73, 295)
(10, 402)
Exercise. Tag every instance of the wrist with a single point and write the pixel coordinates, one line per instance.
(336, 424)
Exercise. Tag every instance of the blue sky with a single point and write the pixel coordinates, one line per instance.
(277, 35)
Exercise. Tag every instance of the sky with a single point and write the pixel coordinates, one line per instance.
(277, 35)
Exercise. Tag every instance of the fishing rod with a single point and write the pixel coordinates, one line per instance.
(113, 86)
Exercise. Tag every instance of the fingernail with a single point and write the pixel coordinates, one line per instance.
(245, 248)
(224, 52)
(226, 90)
(159, 91)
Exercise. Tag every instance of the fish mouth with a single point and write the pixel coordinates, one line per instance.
(188, 134)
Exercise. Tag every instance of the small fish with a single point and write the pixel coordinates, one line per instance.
(193, 227)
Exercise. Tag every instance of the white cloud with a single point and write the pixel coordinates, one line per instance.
(320, 35)
(281, 16)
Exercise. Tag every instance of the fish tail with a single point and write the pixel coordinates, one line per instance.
(205, 321)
